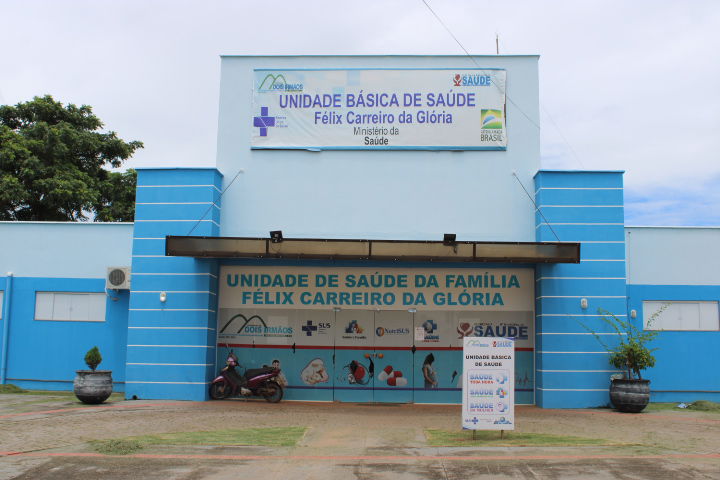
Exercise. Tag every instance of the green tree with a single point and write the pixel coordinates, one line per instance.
(53, 161)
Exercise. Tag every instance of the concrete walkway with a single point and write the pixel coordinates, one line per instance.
(49, 441)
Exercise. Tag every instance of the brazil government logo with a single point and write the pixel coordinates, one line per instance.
(491, 119)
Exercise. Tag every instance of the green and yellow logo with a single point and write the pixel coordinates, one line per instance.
(491, 119)
(271, 80)
(277, 83)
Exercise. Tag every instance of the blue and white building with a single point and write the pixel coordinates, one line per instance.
(403, 222)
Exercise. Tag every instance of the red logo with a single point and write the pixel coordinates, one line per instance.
(464, 329)
(457, 79)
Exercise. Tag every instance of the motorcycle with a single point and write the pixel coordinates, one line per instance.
(254, 382)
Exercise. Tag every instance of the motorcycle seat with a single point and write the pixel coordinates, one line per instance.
(256, 372)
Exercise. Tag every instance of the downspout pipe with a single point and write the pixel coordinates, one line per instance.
(7, 296)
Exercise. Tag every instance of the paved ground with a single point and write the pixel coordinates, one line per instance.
(46, 438)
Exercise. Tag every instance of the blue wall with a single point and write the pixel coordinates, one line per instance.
(687, 366)
(45, 354)
(168, 350)
(61, 257)
(586, 207)
(171, 345)
(677, 264)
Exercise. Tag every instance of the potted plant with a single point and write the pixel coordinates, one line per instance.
(631, 393)
(93, 386)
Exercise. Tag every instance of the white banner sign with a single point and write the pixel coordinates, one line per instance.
(444, 109)
(488, 394)
(506, 289)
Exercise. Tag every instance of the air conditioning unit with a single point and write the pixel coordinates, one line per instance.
(118, 278)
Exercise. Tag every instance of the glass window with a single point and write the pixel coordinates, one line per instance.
(74, 307)
(676, 315)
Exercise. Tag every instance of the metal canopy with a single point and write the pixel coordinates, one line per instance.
(375, 250)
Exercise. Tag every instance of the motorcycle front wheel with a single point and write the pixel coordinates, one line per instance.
(272, 392)
(219, 390)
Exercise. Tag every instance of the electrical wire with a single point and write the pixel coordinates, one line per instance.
(518, 108)
(478, 65)
(557, 127)
(213, 203)
(554, 124)
(536, 207)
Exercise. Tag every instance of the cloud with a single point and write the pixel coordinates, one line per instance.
(676, 204)
(628, 85)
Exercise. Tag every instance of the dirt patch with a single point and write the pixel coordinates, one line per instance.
(346, 427)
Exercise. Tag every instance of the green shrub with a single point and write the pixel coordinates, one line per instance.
(93, 358)
(631, 353)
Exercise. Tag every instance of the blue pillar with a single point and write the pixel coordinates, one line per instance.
(586, 207)
(5, 339)
(171, 344)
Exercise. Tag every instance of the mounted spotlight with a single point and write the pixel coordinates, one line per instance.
(276, 236)
(449, 239)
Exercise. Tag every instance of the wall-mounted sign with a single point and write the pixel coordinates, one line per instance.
(488, 393)
(504, 289)
(446, 109)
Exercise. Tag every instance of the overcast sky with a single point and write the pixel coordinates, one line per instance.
(628, 85)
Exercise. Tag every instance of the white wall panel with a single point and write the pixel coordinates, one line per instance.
(681, 315)
(64, 249)
(673, 255)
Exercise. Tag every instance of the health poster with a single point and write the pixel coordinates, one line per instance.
(488, 393)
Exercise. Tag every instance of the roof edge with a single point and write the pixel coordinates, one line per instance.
(55, 222)
(530, 55)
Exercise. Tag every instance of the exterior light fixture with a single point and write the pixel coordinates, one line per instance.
(163, 297)
(449, 239)
(276, 236)
(633, 313)
(583, 303)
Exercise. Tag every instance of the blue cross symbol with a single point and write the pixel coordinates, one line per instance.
(309, 328)
(264, 121)
(475, 420)
(429, 326)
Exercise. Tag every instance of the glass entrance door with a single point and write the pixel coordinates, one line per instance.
(354, 356)
(373, 356)
(393, 356)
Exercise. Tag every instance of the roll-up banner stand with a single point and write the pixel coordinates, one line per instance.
(488, 392)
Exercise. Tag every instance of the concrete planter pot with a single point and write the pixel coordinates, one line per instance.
(630, 396)
(93, 387)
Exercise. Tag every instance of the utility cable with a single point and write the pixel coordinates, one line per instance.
(213, 203)
(557, 127)
(572, 150)
(536, 207)
(562, 136)
(446, 28)
(478, 65)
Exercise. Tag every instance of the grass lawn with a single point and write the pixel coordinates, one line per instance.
(269, 437)
(10, 388)
(699, 406)
(485, 438)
